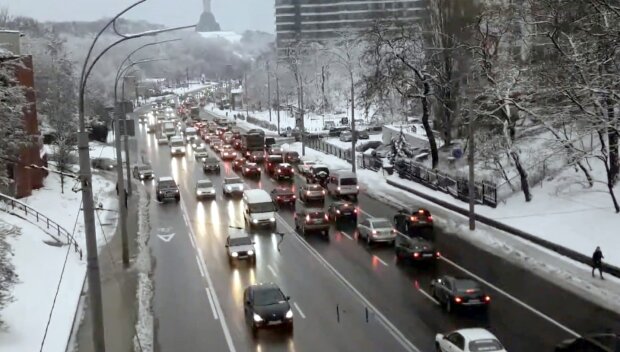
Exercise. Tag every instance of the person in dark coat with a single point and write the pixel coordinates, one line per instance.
(597, 262)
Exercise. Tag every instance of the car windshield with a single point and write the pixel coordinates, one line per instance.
(232, 180)
(268, 297)
(381, 224)
(318, 170)
(348, 181)
(317, 215)
(315, 188)
(265, 207)
(204, 184)
(167, 184)
(177, 143)
(485, 345)
(211, 161)
(144, 168)
(284, 191)
(241, 241)
(466, 285)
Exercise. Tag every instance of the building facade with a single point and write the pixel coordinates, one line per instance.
(320, 20)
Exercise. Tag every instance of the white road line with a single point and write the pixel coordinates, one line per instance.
(346, 235)
(365, 212)
(273, 272)
(511, 297)
(428, 296)
(389, 326)
(299, 310)
(191, 239)
(209, 295)
(380, 260)
(202, 273)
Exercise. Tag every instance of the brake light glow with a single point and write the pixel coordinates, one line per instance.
(247, 170)
(355, 210)
(416, 255)
(326, 217)
(308, 192)
(414, 218)
(487, 298)
(430, 218)
(338, 188)
(358, 187)
(337, 211)
(421, 211)
(323, 192)
(438, 254)
(278, 197)
(307, 218)
(458, 299)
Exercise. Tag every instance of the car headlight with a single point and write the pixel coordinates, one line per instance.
(255, 221)
(250, 252)
(289, 314)
(198, 192)
(272, 219)
(234, 254)
(183, 150)
(142, 176)
(257, 318)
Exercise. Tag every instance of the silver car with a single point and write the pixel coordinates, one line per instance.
(377, 230)
(205, 189)
(239, 245)
(233, 185)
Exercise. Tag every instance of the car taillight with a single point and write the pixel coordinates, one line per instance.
(307, 218)
(421, 211)
(294, 197)
(458, 299)
(487, 298)
(393, 230)
(429, 218)
(355, 210)
(308, 192)
(438, 254)
(416, 255)
(278, 197)
(414, 218)
(247, 170)
(323, 192)
(337, 211)
(326, 217)
(338, 188)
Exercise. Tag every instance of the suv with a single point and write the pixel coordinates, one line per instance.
(311, 219)
(211, 164)
(239, 245)
(284, 171)
(166, 188)
(265, 305)
(143, 172)
(414, 222)
(318, 173)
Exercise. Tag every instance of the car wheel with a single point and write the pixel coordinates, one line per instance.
(368, 241)
(158, 199)
(437, 348)
(296, 226)
(449, 306)
(177, 199)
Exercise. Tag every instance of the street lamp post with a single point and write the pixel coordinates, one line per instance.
(471, 183)
(269, 92)
(92, 259)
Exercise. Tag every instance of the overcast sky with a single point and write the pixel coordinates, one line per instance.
(232, 15)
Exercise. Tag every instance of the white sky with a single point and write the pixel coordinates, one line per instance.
(232, 15)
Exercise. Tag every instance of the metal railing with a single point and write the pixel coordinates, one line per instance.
(51, 227)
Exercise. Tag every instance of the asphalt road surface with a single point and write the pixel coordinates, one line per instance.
(345, 295)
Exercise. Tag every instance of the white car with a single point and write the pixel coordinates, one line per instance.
(162, 140)
(240, 246)
(305, 166)
(468, 340)
(233, 185)
(377, 230)
(205, 189)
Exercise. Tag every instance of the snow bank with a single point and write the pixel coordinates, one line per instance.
(144, 339)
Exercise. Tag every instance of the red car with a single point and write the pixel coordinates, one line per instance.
(284, 171)
(271, 163)
(250, 169)
(238, 163)
(283, 196)
(228, 153)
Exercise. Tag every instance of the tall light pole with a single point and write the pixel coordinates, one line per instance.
(92, 259)
(471, 183)
(278, 100)
(269, 92)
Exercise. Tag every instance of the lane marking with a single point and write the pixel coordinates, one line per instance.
(209, 295)
(511, 297)
(346, 235)
(299, 310)
(191, 239)
(202, 273)
(427, 295)
(389, 326)
(379, 259)
(273, 272)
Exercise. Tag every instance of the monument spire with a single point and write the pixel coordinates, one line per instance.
(207, 22)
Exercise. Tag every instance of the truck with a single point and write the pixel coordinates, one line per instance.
(252, 142)
(169, 129)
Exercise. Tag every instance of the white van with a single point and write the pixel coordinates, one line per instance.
(177, 146)
(342, 183)
(258, 209)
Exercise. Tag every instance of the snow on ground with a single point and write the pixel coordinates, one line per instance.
(347, 145)
(39, 266)
(229, 36)
(567, 273)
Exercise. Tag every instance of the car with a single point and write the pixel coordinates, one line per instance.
(457, 292)
(166, 188)
(216, 145)
(256, 130)
(142, 119)
(205, 189)
(336, 131)
(376, 230)
(237, 144)
(211, 164)
(143, 172)
(318, 173)
(274, 150)
(177, 146)
(201, 155)
(228, 153)
(601, 342)
(163, 140)
(414, 249)
(414, 222)
(342, 212)
(250, 170)
(210, 137)
(311, 192)
(271, 162)
(256, 156)
(283, 171)
(346, 136)
(264, 305)
(227, 137)
(283, 196)
(240, 246)
(238, 163)
(198, 144)
(291, 157)
(362, 135)
(304, 166)
(233, 186)
(311, 219)
(468, 340)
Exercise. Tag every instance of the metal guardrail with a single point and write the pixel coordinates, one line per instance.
(52, 227)
(574, 255)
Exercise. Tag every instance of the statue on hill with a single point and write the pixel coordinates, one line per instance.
(207, 22)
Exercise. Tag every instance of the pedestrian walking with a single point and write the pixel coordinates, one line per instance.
(597, 262)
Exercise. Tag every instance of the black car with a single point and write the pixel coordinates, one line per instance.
(414, 223)
(167, 188)
(238, 163)
(342, 211)
(283, 196)
(211, 164)
(265, 305)
(452, 292)
(255, 156)
(318, 174)
(291, 157)
(603, 342)
(414, 249)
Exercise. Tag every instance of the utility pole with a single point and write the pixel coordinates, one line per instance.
(471, 184)
(245, 91)
(269, 91)
(354, 139)
(187, 76)
(278, 100)
(301, 114)
(120, 183)
(126, 138)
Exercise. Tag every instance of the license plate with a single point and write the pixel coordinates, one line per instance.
(427, 255)
(317, 222)
(474, 301)
(275, 322)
